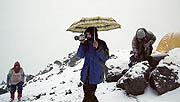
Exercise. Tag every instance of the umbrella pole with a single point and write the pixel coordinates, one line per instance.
(94, 34)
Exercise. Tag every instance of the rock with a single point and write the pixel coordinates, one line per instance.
(57, 62)
(115, 74)
(51, 93)
(68, 92)
(39, 96)
(63, 82)
(3, 91)
(155, 59)
(74, 60)
(48, 69)
(3, 88)
(80, 84)
(164, 79)
(49, 76)
(135, 80)
(29, 77)
(112, 56)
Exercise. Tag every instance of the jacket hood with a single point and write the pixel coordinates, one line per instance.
(16, 69)
(92, 31)
(141, 33)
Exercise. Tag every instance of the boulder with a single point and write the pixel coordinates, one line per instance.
(135, 80)
(164, 79)
(155, 59)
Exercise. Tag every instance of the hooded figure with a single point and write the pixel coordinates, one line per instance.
(96, 53)
(15, 78)
(142, 46)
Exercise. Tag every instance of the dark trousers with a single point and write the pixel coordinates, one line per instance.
(18, 86)
(89, 92)
(141, 57)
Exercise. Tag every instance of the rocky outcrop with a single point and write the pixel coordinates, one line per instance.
(72, 60)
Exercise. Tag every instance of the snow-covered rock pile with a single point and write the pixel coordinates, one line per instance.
(162, 78)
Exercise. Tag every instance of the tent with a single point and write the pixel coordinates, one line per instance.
(168, 42)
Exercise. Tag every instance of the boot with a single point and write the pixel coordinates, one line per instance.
(12, 97)
(19, 100)
(11, 100)
(19, 97)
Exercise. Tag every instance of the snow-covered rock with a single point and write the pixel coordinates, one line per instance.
(166, 76)
(117, 65)
(164, 79)
(135, 80)
(3, 88)
(115, 74)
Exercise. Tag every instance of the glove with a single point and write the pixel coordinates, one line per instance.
(149, 43)
(135, 53)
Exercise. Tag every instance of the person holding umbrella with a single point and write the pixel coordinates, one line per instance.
(96, 53)
(94, 50)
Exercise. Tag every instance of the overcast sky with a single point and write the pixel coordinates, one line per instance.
(34, 31)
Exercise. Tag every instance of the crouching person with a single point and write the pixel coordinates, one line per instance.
(142, 46)
(15, 80)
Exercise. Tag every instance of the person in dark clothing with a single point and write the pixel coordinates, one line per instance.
(96, 53)
(142, 46)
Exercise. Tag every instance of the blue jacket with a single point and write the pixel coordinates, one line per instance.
(94, 61)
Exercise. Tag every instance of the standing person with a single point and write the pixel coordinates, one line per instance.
(142, 46)
(15, 79)
(96, 53)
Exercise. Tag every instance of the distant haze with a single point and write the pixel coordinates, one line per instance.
(34, 31)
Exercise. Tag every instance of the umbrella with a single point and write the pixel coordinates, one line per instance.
(101, 23)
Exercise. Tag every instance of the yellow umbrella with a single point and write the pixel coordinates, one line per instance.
(101, 23)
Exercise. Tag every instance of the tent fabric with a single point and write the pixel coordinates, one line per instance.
(169, 42)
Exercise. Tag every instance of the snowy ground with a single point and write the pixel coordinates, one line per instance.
(54, 87)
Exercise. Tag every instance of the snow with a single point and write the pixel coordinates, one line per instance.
(64, 87)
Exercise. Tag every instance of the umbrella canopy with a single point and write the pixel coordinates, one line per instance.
(101, 23)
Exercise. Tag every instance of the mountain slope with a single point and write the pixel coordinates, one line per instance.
(62, 84)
